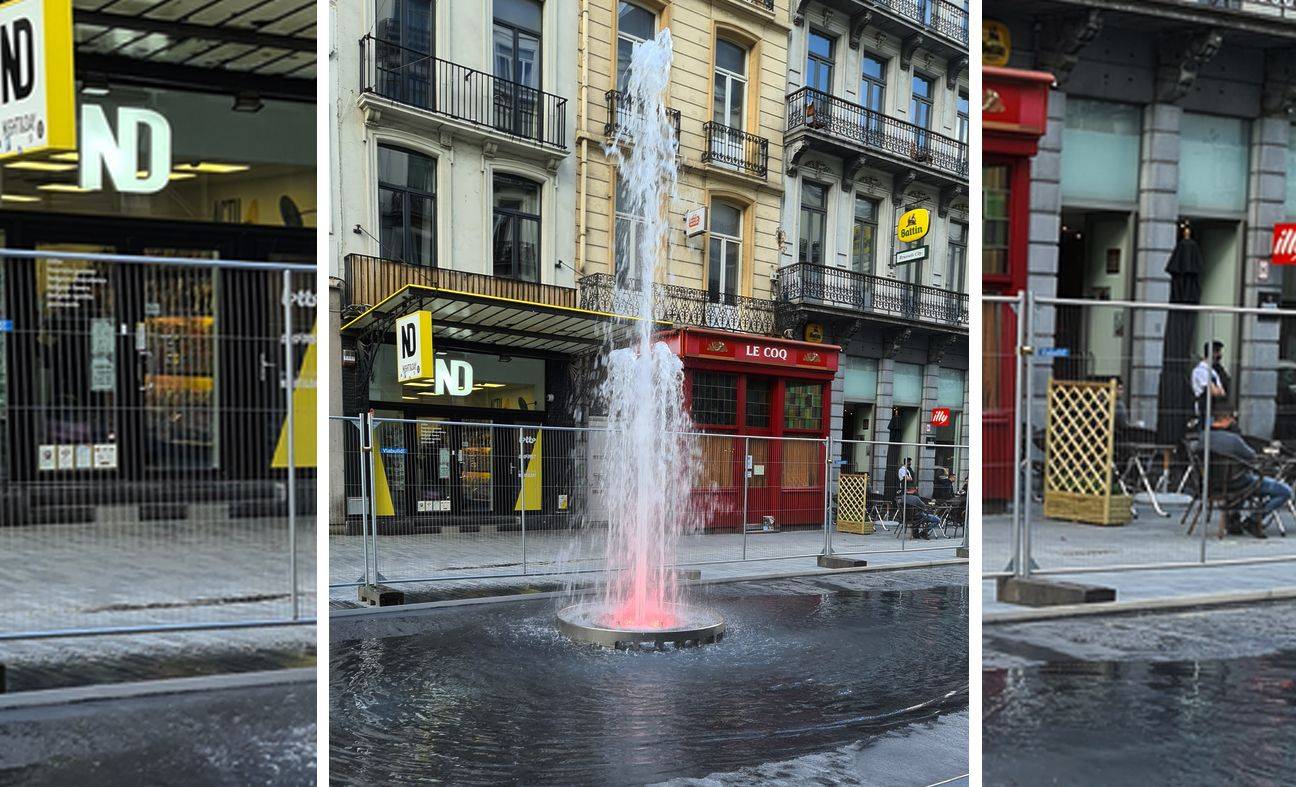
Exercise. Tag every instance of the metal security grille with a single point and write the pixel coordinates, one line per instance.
(157, 443)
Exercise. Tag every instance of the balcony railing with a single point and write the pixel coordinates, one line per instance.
(940, 16)
(680, 305)
(823, 285)
(731, 147)
(813, 110)
(371, 279)
(619, 107)
(418, 79)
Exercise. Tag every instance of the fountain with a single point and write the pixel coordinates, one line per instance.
(649, 432)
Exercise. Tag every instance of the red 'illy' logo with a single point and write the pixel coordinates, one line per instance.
(940, 416)
(1284, 244)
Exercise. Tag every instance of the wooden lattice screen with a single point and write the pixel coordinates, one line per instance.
(852, 504)
(1079, 454)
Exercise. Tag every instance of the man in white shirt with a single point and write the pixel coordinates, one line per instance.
(1205, 377)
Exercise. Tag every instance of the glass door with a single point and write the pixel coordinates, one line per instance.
(516, 55)
(729, 102)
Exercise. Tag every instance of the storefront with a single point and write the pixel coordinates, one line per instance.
(776, 394)
(1015, 112)
(118, 371)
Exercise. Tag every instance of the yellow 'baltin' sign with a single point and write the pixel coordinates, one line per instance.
(913, 225)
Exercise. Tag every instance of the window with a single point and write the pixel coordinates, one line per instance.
(714, 397)
(628, 228)
(962, 128)
(517, 229)
(873, 92)
(996, 197)
(730, 83)
(406, 206)
(404, 33)
(724, 263)
(920, 106)
(819, 62)
(956, 265)
(635, 25)
(814, 217)
(516, 54)
(803, 406)
(864, 235)
(758, 402)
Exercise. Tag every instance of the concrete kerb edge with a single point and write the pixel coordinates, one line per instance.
(1141, 605)
(154, 688)
(463, 602)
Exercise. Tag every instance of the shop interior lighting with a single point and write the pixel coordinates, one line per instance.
(18, 198)
(248, 102)
(42, 166)
(419, 385)
(143, 173)
(94, 85)
(66, 188)
(212, 168)
(491, 385)
(67, 155)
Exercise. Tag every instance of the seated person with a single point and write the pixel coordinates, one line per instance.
(918, 513)
(1230, 444)
(942, 485)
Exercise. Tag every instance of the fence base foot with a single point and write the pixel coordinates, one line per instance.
(1031, 592)
(962, 552)
(834, 561)
(688, 574)
(381, 596)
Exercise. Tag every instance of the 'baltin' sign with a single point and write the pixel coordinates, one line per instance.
(37, 84)
(913, 225)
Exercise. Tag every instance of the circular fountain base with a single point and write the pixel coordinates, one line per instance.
(584, 623)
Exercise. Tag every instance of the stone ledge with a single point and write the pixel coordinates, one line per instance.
(835, 561)
(1032, 592)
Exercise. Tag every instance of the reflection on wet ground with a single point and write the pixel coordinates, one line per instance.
(492, 693)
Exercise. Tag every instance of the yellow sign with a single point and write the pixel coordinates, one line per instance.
(528, 498)
(996, 43)
(304, 429)
(38, 102)
(814, 332)
(913, 225)
(414, 357)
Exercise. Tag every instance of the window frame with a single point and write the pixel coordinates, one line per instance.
(730, 78)
(519, 216)
(723, 293)
(959, 283)
(622, 37)
(875, 223)
(820, 63)
(407, 238)
(802, 223)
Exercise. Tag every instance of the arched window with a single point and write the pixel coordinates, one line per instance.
(635, 25)
(724, 256)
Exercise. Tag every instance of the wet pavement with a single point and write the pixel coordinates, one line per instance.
(1201, 697)
(825, 667)
(241, 736)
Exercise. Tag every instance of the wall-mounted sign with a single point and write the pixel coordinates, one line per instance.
(773, 353)
(1284, 244)
(913, 225)
(814, 332)
(996, 43)
(453, 377)
(940, 417)
(912, 255)
(414, 347)
(119, 153)
(695, 222)
(37, 83)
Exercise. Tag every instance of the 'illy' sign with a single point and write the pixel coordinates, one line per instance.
(1284, 244)
(37, 83)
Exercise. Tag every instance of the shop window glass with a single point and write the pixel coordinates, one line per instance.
(499, 382)
(814, 217)
(1100, 152)
(404, 40)
(906, 383)
(716, 469)
(406, 206)
(635, 25)
(803, 406)
(801, 463)
(861, 379)
(948, 453)
(758, 403)
(715, 399)
(949, 387)
(181, 416)
(517, 229)
(1215, 153)
(4, 375)
(819, 62)
(996, 227)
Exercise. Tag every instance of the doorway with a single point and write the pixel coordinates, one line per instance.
(1095, 263)
(857, 424)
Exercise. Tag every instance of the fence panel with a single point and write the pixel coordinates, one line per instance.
(156, 442)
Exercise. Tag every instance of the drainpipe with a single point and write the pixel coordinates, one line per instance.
(582, 161)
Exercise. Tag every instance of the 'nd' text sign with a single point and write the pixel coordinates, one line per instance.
(37, 84)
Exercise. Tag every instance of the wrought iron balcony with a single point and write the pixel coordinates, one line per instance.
(680, 305)
(941, 24)
(619, 107)
(843, 125)
(417, 79)
(371, 279)
(939, 16)
(823, 286)
(736, 149)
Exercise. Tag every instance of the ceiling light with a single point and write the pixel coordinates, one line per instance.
(66, 188)
(18, 198)
(41, 166)
(67, 155)
(418, 385)
(143, 173)
(94, 85)
(212, 168)
(248, 102)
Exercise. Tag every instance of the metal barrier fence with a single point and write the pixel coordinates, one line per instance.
(425, 500)
(1100, 449)
(157, 422)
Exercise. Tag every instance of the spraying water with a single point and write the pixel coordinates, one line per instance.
(648, 500)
